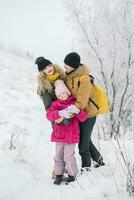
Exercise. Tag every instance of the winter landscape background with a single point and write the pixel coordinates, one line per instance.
(26, 153)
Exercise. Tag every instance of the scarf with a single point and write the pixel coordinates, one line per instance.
(54, 77)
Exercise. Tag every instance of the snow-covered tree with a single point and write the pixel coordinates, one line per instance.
(105, 38)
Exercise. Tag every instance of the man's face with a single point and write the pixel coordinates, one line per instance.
(68, 69)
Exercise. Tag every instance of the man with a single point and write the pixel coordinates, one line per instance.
(78, 82)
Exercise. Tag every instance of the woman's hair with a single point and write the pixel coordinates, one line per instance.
(44, 83)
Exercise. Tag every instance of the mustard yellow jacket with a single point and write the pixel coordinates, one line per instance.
(82, 89)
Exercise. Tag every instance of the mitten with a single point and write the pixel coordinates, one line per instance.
(64, 113)
(73, 109)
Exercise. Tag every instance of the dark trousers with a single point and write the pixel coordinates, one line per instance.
(87, 150)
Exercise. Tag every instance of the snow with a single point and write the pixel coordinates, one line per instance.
(26, 153)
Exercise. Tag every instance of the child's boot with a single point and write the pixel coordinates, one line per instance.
(58, 180)
(64, 176)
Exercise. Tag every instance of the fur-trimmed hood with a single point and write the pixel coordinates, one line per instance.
(44, 83)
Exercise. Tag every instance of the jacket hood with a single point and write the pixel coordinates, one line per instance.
(44, 83)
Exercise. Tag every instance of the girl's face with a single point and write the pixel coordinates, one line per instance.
(63, 96)
(49, 70)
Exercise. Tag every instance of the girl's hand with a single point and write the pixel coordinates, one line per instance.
(57, 121)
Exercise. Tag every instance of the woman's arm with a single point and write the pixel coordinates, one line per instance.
(47, 99)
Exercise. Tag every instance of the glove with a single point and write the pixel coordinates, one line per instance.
(73, 109)
(64, 113)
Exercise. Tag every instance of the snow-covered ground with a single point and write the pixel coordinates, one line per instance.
(26, 153)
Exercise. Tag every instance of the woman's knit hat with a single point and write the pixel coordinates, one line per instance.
(42, 63)
(73, 60)
(60, 88)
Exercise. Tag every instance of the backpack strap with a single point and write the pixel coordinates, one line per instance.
(92, 81)
(93, 103)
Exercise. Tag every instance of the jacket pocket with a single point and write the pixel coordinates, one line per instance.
(59, 134)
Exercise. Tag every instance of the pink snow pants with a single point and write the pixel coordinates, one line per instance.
(65, 159)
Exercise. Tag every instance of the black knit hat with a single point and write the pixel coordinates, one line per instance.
(42, 63)
(73, 60)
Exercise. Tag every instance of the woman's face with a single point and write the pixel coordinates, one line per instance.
(49, 70)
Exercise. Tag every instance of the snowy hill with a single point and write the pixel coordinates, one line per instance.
(26, 154)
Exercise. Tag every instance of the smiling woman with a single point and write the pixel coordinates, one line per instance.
(37, 26)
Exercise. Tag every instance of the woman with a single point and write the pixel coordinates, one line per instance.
(48, 74)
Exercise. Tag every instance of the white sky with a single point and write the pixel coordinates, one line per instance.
(39, 26)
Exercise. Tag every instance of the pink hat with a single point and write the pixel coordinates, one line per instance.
(60, 88)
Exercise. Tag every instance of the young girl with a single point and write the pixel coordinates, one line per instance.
(66, 133)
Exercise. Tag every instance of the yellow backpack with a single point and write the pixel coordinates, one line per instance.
(103, 102)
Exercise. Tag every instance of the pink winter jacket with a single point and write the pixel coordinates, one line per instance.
(69, 133)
